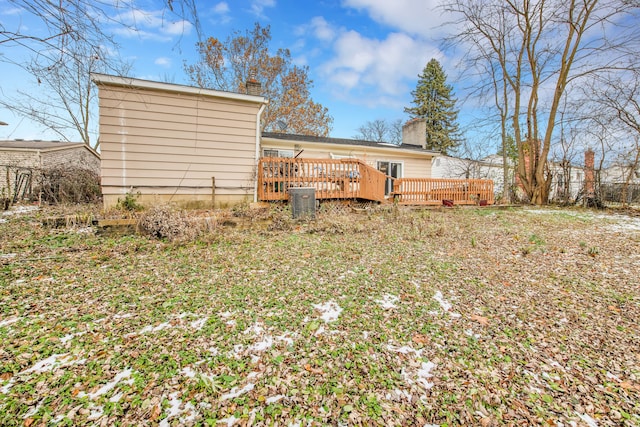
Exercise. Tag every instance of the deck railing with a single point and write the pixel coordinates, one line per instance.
(433, 191)
(332, 179)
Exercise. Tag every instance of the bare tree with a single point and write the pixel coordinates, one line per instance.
(540, 49)
(77, 40)
(381, 130)
(620, 96)
(65, 100)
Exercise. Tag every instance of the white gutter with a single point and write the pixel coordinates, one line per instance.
(258, 137)
(130, 82)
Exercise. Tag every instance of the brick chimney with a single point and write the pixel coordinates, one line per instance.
(589, 174)
(254, 87)
(414, 132)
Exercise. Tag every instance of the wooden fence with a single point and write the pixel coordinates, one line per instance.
(433, 191)
(332, 179)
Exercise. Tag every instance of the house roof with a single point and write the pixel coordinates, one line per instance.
(129, 82)
(38, 144)
(45, 146)
(344, 141)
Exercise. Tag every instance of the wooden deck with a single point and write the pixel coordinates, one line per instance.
(353, 179)
(332, 179)
(433, 191)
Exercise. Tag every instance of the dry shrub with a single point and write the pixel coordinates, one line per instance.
(167, 222)
(69, 184)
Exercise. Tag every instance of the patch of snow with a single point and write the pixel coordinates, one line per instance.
(470, 333)
(52, 362)
(213, 350)
(108, 386)
(425, 372)
(65, 339)
(20, 210)
(174, 411)
(397, 394)
(123, 316)
(116, 398)
(319, 331)
(405, 349)
(188, 372)
(226, 314)
(5, 388)
(266, 343)
(587, 419)
(235, 392)
(260, 346)
(285, 338)
(31, 412)
(2, 220)
(96, 413)
(612, 377)
(8, 256)
(446, 305)
(9, 321)
(199, 324)
(388, 301)
(255, 329)
(160, 327)
(274, 399)
(330, 311)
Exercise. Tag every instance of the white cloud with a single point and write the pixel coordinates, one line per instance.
(321, 29)
(221, 8)
(151, 25)
(221, 12)
(258, 6)
(420, 17)
(163, 61)
(376, 72)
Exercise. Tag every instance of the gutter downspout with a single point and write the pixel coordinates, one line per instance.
(258, 137)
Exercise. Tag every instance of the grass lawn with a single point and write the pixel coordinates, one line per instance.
(398, 317)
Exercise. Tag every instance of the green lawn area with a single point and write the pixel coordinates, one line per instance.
(390, 317)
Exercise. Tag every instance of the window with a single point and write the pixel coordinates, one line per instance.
(274, 152)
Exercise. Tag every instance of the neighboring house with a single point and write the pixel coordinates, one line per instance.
(21, 162)
(196, 146)
(618, 173)
(169, 142)
(567, 182)
(489, 167)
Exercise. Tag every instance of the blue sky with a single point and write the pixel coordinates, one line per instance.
(363, 55)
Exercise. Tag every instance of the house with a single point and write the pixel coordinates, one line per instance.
(23, 161)
(200, 147)
(196, 146)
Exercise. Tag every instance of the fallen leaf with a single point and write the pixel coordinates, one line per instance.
(614, 308)
(155, 412)
(484, 321)
(420, 339)
(28, 422)
(313, 370)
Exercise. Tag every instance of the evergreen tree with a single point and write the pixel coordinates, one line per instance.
(434, 101)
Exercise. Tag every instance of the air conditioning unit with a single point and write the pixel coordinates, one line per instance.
(303, 202)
